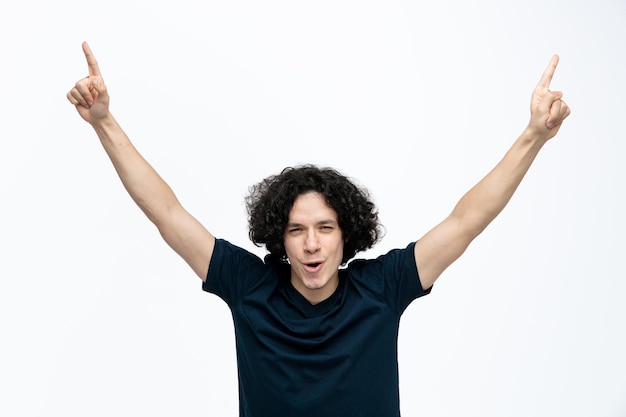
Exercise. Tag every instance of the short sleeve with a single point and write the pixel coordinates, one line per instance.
(232, 271)
(393, 277)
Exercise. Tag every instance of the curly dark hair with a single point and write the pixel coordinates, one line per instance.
(271, 200)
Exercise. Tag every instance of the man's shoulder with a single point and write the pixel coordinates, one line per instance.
(395, 254)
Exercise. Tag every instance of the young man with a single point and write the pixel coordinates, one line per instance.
(314, 339)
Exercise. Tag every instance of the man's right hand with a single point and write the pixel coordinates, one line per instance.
(89, 95)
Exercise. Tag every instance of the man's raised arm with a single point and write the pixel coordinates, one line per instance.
(155, 198)
(480, 205)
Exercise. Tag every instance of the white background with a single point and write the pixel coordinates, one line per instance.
(415, 100)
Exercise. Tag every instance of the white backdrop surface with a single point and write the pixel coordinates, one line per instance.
(415, 100)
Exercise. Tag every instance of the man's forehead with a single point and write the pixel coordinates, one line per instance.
(311, 208)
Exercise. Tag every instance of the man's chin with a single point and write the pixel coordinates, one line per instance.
(315, 284)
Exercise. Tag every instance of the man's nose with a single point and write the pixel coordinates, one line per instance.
(311, 242)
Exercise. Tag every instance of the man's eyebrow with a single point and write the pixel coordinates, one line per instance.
(325, 221)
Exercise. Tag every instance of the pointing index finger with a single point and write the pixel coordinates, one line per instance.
(546, 78)
(92, 64)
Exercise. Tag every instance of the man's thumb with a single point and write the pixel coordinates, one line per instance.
(98, 85)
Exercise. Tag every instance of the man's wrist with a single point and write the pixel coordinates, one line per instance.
(534, 136)
(104, 123)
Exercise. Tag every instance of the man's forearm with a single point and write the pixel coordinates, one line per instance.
(153, 196)
(481, 204)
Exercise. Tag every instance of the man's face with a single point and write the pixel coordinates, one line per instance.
(314, 246)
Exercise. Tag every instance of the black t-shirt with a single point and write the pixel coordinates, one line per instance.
(335, 358)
